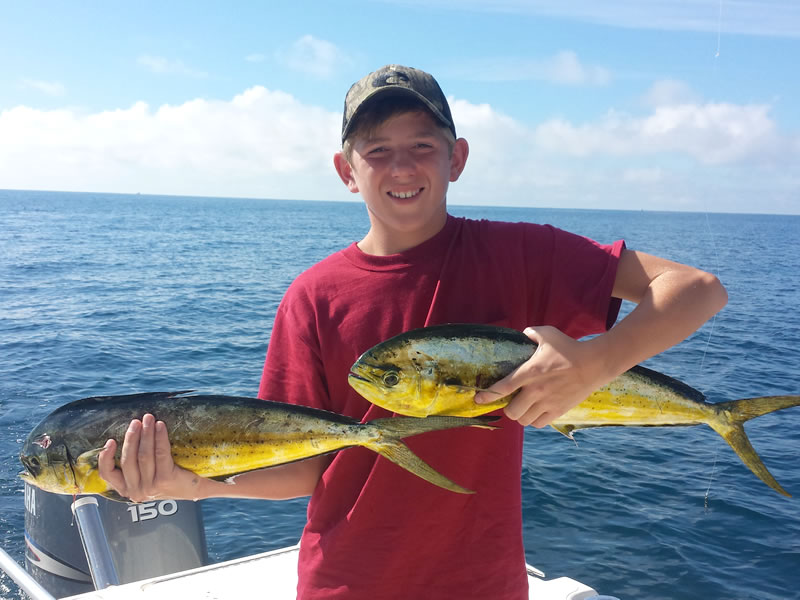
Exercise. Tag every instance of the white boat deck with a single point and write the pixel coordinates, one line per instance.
(242, 577)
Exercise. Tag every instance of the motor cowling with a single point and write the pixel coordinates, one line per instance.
(146, 540)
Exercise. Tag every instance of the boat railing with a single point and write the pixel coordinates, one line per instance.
(22, 578)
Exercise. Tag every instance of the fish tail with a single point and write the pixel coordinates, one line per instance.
(730, 426)
(390, 445)
(400, 454)
(750, 408)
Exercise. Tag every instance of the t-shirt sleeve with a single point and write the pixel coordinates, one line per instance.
(582, 274)
(293, 370)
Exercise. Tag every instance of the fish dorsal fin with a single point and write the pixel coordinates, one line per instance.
(140, 396)
(99, 400)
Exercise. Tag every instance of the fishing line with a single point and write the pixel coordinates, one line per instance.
(715, 71)
(717, 273)
(708, 490)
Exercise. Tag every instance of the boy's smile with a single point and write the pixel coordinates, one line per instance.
(402, 171)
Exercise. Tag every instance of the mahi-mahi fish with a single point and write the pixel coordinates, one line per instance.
(215, 436)
(438, 370)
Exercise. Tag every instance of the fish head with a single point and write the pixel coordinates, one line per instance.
(438, 370)
(48, 465)
(394, 384)
(402, 376)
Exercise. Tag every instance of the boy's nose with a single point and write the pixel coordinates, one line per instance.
(402, 164)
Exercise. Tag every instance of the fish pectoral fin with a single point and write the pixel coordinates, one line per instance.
(88, 460)
(565, 430)
(473, 388)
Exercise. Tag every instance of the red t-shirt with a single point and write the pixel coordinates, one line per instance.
(375, 531)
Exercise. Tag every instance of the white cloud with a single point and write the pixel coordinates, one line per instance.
(265, 143)
(563, 68)
(710, 133)
(255, 57)
(163, 66)
(314, 56)
(261, 143)
(51, 88)
(677, 156)
(669, 92)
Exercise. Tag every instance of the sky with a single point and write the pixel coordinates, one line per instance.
(687, 105)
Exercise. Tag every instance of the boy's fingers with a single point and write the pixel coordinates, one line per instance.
(108, 469)
(509, 384)
(535, 416)
(494, 392)
(522, 408)
(514, 380)
(534, 334)
(163, 451)
(129, 460)
(146, 451)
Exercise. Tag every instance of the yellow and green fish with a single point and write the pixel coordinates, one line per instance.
(438, 370)
(215, 436)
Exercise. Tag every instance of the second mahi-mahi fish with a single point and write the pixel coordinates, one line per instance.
(438, 370)
(215, 436)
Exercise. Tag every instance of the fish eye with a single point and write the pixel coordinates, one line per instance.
(34, 461)
(391, 378)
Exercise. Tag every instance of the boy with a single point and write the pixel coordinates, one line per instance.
(374, 531)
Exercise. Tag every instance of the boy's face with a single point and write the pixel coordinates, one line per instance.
(402, 171)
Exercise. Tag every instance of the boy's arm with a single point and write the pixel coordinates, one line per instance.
(147, 472)
(673, 301)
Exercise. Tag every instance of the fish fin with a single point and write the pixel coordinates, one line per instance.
(401, 455)
(729, 424)
(750, 408)
(229, 479)
(400, 427)
(475, 388)
(111, 494)
(565, 430)
(736, 437)
(390, 446)
(88, 460)
(86, 465)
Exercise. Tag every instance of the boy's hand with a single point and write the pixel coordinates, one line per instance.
(147, 470)
(560, 375)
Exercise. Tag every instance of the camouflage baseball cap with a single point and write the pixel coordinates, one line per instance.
(396, 79)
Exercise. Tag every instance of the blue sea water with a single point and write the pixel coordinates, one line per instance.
(110, 294)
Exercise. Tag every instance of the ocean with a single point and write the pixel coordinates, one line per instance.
(111, 294)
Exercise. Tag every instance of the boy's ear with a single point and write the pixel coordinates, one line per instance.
(459, 158)
(345, 171)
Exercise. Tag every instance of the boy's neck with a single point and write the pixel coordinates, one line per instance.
(380, 241)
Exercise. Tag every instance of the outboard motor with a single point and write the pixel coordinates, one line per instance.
(146, 540)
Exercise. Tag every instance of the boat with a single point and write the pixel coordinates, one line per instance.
(157, 550)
